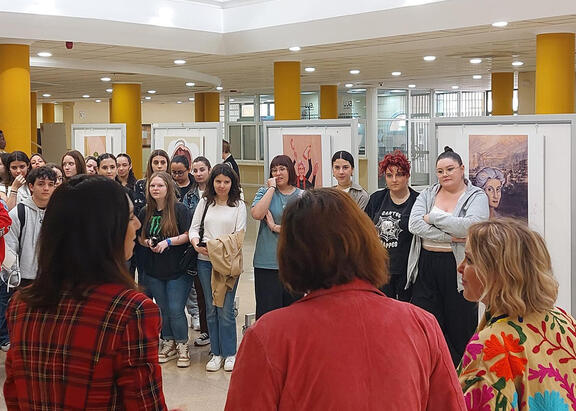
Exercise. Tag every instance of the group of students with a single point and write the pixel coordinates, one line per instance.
(327, 256)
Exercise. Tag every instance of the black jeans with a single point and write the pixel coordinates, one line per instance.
(270, 293)
(435, 290)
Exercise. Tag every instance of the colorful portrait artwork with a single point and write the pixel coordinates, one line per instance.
(189, 147)
(499, 165)
(94, 145)
(306, 154)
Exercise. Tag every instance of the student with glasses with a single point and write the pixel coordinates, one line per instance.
(268, 207)
(180, 170)
(439, 220)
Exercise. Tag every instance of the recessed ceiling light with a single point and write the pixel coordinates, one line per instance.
(231, 99)
(396, 73)
(354, 71)
(109, 90)
(219, 88)
(455, 87)
(475, 61)
(411, 85)
(190, 98)
(357, 90)
(295, 48)
(517, 63)
(105, 79)
(98, 101)
(86, 96)
(396, 91)
(44, 54)
(179, 62)
(151, 91)
(46, 95)
(147, 98)
(178, 102)
(190, 84)
(477, 77)
(310, 69)
(500, 24)
(348, 85)
(429, 58)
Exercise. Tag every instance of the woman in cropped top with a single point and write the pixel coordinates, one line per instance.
(439, 221)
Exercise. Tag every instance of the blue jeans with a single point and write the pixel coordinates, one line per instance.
(171, 295)
(221, 321)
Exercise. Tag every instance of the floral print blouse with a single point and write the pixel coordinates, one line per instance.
(521, 363)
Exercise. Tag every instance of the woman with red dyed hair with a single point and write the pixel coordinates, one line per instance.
(390, 209)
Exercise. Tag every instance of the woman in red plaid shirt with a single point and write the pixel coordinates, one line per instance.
(82, 336)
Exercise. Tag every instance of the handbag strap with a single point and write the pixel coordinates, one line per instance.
(201, 231)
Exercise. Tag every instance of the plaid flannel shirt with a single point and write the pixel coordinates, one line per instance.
(97, 354)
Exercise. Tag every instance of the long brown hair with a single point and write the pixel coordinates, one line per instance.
(168, 224)
(78, 160)
(153, 154)
(234, 196)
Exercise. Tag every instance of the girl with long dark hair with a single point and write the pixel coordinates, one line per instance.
(18, 165)
(125, 173)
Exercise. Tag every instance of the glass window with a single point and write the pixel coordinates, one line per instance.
(472, 103)
(420, 153)
(249, 141)
(233, 112)
(309, 105)
(362, 137)
(392, 135)
(235, 135)
(447, 104)
(420, 104)
(352, 104)
(261, 146)
(392, 103)
(248, 110)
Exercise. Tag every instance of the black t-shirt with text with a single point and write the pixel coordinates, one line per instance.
(391, 221)
(165, 266)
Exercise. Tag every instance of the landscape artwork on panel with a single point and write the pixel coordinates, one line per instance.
(94, 145)
(306, 154)
(499, 165)
(189, 147)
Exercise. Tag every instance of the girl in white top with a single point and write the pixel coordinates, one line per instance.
(17, 167)
(226, 214)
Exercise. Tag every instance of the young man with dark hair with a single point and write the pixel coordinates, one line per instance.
(228, 158)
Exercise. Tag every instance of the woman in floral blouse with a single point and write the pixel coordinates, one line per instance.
(523, 356)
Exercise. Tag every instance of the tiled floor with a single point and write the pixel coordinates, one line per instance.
(193, 388)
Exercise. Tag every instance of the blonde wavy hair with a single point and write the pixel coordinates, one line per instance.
(514, 266)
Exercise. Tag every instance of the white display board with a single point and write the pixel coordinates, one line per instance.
(99, 138)
(551, 166)
(325, 138)
(189, 139)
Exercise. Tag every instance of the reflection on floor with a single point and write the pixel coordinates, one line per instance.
(194, 388)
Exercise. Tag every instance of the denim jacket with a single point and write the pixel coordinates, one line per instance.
(192, 198)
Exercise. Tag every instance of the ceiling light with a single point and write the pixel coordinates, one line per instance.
(46, 95)
(310, 69)
(231, 99)
(429, 58)
(354, 71)
(455, 87)
(517, 63)
(190, 84)
(178, 102)
(396, 73)
(179, 62)
(411, 85)
(475, 61)
(348, 85)
(109, 90)
(44, 54)
(295, 48)
(500, 24)
(219, 88)
(190, 98)
(396, 91)
(151, 91)
(106, 79)
(147, 98)
(477, 77)
(98, 101)
(86, 96)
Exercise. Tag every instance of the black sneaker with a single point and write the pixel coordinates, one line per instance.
(5, 346)
(202, 340)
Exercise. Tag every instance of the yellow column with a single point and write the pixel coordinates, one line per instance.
(555, 73)
(33, 123)
(199, 107)
(328, 101)
(287, 90)
(212, 107)
(15, 96)
(126, 108)
(48, 112)
(502, 93)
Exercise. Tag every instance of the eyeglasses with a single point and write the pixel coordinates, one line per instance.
(279, 169)
(448, 171)
(178, 173)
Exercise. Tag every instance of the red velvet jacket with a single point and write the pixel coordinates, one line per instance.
(5, 223)
(346, 348)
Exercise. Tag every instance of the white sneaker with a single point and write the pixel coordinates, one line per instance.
(196, 323)
(183, 355)
(168, 352)
(229, 363)
(215, 363)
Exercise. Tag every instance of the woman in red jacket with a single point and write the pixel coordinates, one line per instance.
(345, 345)
(82, 336)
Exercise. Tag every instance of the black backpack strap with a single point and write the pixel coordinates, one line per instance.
(22, 218)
